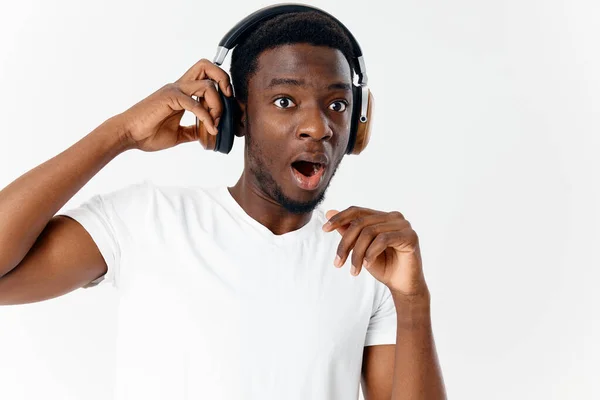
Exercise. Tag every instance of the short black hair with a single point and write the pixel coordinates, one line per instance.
(299, 27)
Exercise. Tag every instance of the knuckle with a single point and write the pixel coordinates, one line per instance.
(172, 88)
(383, 237)
(198, 107)
(211, 90)
(370, 230)
(356, 222)
(396, 214)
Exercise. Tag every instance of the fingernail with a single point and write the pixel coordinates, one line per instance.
(365, 264)
(338, 261)
(217, 122)
(354, 269)
(327, 225)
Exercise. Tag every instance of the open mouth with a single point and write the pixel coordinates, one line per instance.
(307, 175)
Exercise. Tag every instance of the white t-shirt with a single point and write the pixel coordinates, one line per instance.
(213, 305)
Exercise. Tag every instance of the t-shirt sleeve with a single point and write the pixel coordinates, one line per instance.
(101, 217)
(382, 325)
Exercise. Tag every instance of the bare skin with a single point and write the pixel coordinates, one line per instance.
(299, 102)
(44, 256)
(314, 118)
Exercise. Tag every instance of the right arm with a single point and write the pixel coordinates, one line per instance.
(64, 256)
(44, 256)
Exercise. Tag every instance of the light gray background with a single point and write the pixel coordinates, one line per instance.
(486, 138)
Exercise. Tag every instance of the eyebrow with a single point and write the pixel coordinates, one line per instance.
(286, 81)
(339, 85)
(302, 82)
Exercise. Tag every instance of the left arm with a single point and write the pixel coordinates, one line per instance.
(386, 245)
(410, 368)
(378, 371)
(417, 373)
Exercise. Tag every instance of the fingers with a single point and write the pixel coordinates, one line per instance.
(204, 89)
(366, 233)
(204, 69)
(345, 217)
(371, 243)
(188, 134)
(331, 213)
(182, 101)
(364, 227)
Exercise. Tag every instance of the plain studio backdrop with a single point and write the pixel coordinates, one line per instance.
(486, 138)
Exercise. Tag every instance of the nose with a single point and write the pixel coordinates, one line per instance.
(314, 124)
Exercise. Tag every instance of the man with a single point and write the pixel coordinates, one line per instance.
(228, 293)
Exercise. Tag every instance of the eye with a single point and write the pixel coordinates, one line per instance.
(283, 102)
(339, 106)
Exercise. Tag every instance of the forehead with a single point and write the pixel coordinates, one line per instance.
(313, 63)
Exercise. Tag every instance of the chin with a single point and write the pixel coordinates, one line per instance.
(299, 201)
(295, 206)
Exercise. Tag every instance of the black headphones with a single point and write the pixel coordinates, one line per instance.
(360, 128)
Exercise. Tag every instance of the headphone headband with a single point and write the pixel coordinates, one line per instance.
(242, 28)
(360, 128)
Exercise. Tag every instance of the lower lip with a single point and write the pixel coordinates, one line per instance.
(307, 182)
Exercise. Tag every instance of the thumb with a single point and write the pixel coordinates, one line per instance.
(330, 214)
(189, 134)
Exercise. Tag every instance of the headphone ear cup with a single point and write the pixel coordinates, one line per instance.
(223, 141)
(363, 129)
(207, 140)
(226, 126)
(356, 101)
(237, 119)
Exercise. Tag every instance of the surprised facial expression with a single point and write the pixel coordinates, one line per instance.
(297, 122)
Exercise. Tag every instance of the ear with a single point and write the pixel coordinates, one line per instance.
(240, 119)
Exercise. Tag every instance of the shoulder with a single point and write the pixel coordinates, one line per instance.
(169, 192)
(144, 195)
(181, 200)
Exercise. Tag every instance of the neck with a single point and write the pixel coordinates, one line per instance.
(258, 205)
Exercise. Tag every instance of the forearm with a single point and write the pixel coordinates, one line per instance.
(417, 374)
(28, 203)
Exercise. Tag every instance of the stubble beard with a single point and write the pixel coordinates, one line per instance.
(267, 184)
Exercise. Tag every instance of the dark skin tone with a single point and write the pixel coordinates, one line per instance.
(56, 255)
(298, 101)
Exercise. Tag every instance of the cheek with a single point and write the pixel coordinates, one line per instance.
(273, 123)
(272, 131)
(268, 143)
(343, 136)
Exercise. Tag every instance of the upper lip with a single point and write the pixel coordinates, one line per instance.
(317, 158)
